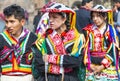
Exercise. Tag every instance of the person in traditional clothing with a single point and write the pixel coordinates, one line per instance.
(58, 52)
(101, 40)
(15, 42)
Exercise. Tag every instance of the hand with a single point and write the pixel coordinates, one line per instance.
(45, 58)
(92, 67)
(98, 69)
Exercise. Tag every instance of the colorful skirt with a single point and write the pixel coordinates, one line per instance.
(108, 74)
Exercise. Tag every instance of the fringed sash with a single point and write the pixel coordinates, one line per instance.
(17, 47)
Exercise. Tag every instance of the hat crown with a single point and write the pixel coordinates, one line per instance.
(57, 7)
(99, 7)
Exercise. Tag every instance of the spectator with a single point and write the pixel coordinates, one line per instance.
(27, 16)
(36, 20)
(115, 11)
(117, 22)
(83, 14)
(2, 23)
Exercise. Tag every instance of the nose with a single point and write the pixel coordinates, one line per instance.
(95, 18)
(50, 19)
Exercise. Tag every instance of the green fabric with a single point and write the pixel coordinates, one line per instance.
(43, 51)
(82, 72)
(35, 71)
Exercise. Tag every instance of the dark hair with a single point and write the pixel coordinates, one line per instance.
(85, 1)
(15, 10)
(102, 14)
(67, 22)
(117, 1)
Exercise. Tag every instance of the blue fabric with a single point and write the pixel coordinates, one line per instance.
(82, 18)
(112, 33)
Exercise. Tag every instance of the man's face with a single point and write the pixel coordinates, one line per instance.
(117, 4)
(89, 5)
(14, 26)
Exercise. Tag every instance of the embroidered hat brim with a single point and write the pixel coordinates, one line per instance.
(56, 7)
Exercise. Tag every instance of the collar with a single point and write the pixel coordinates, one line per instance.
(24, 32)
(53, 33)
(101, 29)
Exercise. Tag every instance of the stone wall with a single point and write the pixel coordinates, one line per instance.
(33, 5)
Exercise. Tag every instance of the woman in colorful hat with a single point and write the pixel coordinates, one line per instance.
(58, 52)
(100, 54)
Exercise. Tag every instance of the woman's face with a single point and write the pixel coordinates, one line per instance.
(98, 19)
(56, 20)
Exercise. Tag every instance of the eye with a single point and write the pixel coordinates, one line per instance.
(54, 16)
(12, 21)
(6, 21)
(98, 15)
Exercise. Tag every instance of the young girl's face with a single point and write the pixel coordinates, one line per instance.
(98, 19)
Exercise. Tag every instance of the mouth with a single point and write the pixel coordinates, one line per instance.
(96, 22)
(51, 25)
(10, 30)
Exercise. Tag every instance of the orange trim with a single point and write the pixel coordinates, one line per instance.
(14, 62)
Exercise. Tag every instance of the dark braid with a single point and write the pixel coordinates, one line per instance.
(107, 43)
(67, 22)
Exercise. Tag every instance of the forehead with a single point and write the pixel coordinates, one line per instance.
(57, 14)
(95, 13)
(53, 13)
(10, 17)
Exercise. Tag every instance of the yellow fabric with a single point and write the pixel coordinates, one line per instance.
(73, 22)
(77, 34)
(110, 18)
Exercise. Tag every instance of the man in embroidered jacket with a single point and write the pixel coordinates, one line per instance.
(15, 43)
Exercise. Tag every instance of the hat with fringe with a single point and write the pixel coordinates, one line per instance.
(58, 7)
(101, 8)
